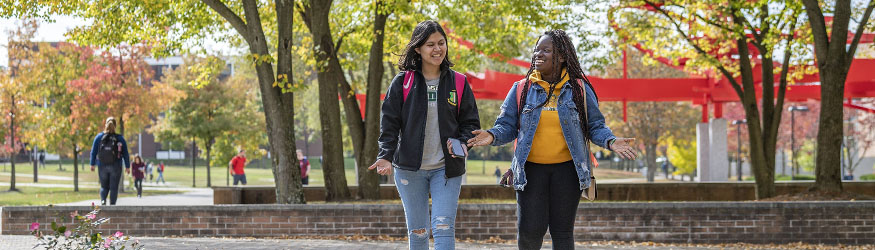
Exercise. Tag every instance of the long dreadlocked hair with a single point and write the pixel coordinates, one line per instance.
(562, 46)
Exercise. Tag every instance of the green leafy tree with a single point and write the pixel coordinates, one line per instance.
(834, 57)
(682, 154)
(50, 75)
(170, 26)
(727, 39)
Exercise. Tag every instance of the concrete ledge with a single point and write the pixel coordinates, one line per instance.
(678, 191)
(694, 222)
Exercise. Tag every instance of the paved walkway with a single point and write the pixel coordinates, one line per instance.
(26, 242)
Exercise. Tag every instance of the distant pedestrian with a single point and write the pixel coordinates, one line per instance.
(138, 174)
(149, 169)
(42, 159)
(108, 152)
(497, 175)
(160, 173)
(305, 167)
(236, 167)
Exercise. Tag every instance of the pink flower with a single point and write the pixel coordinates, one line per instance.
(34, 226)
(67, 234)
(107, 242)
(74, 214)
(91, 216)
(118, 234)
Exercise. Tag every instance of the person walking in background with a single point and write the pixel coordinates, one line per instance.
(139, 171)
(416, 131)
(160, 173)
(109, 152)
(497, 175)
(149, 169)
(42, 159)
(305, 167)
(554, 103)
(236, 167)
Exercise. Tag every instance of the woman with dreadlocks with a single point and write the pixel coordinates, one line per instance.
(558, 104)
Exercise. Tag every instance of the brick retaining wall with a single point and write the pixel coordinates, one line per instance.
(695, 222)
(672, 191)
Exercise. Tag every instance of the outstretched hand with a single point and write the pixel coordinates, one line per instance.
(481, 138)
(623, 146)
(383, 167)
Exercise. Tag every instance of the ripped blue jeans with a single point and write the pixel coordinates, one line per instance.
(414, 188)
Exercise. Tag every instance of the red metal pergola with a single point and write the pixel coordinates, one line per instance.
(700, 90)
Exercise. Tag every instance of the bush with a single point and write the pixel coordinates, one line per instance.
(868, 177)
(83, 236)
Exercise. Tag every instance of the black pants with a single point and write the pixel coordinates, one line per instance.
(110, 175)
(238, 178)
(550, 200)
(138, 183)
(305, 180)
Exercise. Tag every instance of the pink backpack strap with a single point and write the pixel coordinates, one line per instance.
(408, 83)
(460, 89)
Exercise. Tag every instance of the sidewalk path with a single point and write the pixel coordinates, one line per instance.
(194, 197)
(26, 242)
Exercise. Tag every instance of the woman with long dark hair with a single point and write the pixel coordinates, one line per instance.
(109, 151)
(139, 174)
(427, 105)
(557, 103)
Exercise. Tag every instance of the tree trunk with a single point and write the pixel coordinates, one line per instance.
(75, 168)
(829, 130)
(35, 166)
(650, 155)
(209, 147)
(365, 134)
(329, 109)
(833, 58)
(765, 179)
(193, 158)
(278, 106)
(12, 144)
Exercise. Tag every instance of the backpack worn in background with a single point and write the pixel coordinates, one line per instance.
(109, 150)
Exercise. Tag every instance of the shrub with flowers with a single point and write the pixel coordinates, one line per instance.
(83, 236)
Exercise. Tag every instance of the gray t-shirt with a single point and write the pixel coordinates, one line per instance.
(432, 153)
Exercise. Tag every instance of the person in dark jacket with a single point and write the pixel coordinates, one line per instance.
(415, 133)
(139, 173)
(110, 173)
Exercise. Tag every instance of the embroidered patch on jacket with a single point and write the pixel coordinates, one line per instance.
(452, 98)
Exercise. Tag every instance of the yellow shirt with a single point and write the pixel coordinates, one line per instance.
(548, 144)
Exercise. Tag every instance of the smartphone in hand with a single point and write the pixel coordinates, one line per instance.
(456, 145)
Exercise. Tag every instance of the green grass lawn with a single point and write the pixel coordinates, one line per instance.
(45, 196)
(478, 172)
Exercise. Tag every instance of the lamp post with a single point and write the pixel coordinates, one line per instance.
(738, 124)
(795, 169)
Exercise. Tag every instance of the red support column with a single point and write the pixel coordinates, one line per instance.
(705, 112)
(718, 110)
(624, 110)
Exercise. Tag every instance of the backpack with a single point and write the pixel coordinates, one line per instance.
(460, 87)
(109, 149)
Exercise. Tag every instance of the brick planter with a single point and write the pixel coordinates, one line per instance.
(694, 222)
(673, 191)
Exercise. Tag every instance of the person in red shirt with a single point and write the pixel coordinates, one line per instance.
(236, 167)
(305, 167)
(161, 174)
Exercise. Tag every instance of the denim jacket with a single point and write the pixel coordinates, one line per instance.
(508, 127)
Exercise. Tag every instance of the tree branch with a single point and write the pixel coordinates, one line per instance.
(723, 70)
(818, 29)
(857, 35)
(304, 11)
(229, 16)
